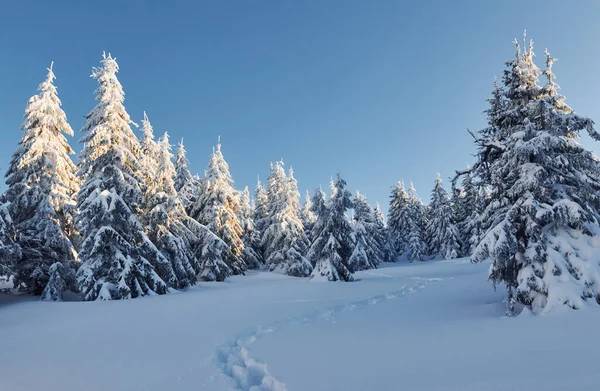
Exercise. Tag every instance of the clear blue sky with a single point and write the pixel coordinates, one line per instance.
(379, 90)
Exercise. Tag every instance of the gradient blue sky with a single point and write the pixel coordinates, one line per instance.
(379, 90)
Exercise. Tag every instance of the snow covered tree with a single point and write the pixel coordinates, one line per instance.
(307, 216)
(114, 263)
(383, 236)
(365, 233)
(41, 189)
(284, 242)
(543, 211)
(61, 279)
(251, 237)
(333, 244)
(415, 221)
(10, 252)
(260, 207)
(218, 207)
(398, 219)
(150, 149)
(469, 209)
(441, 233)
(186, 185)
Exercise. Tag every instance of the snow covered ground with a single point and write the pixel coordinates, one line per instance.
(429, 326)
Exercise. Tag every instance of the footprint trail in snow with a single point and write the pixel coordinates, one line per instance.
(251, 374)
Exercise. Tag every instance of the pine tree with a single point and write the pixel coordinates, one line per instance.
(469, 226)
(441, 232)
(398, 219)
(333, 244)
(186, 185)
(218, 207)
(544, 185)
(113, 261)
(10, 252)
(415, 221)
(251, 237)
(260, 208)
(383, 236)
(41, 189)
(164, 221)
(61, 279)
(307, 216)
(365, 232)
(284, 242)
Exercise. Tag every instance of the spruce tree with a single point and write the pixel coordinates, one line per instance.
(415, 221)
(307, 216)
(284, 242)
(251, 237)
(260, 208)
(186, 185)
(41, 190)
(333, 245)
(398, 219)
(218, 207)
(383, 235)
(10, 252)
(365, 232)
(543, 210)
(469, 224)
(441, 232)
(113, 252)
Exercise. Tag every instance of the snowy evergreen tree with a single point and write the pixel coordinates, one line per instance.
(383, 236)
(114, 263)
(543, 211)
(10, 252)
(284, 242)
(365, 232)
(251, 237)
(469, 209)
(260, 208)
(415, 221)
(150, 150)
(218, 207)
(333, 244)
(307, 216)
(41, 189)
(186, 185)
(61, 279)
(441, 233)
(398, 219)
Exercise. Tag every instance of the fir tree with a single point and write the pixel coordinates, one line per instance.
(383, 236)
(218, 208)
(307, 216)
(284, 242)
(251, 237)
(469, 223)
(544, 204)
(61, 279)
(114, 265)
(441, 233)
(10, 252)
(398, 219)
(260, 208)
(415, 221)
(333, 245)
(186, 185)
(41, 189)
(365, 232)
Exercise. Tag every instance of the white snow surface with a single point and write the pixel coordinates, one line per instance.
(424, 326)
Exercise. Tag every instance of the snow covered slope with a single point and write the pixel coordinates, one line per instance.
(429, 326)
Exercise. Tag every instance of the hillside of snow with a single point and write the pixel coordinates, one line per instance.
(422, 326)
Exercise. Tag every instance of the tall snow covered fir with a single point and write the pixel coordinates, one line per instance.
(333, 244)
(115, 247)
(41, 190)
(368, 249)
(251, 236)
(398, 218)
(186, 184)
(284, 242)
(218, 207)
(543, 214)
(441, 233)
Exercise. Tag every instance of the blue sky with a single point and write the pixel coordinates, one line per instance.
(378, 90)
